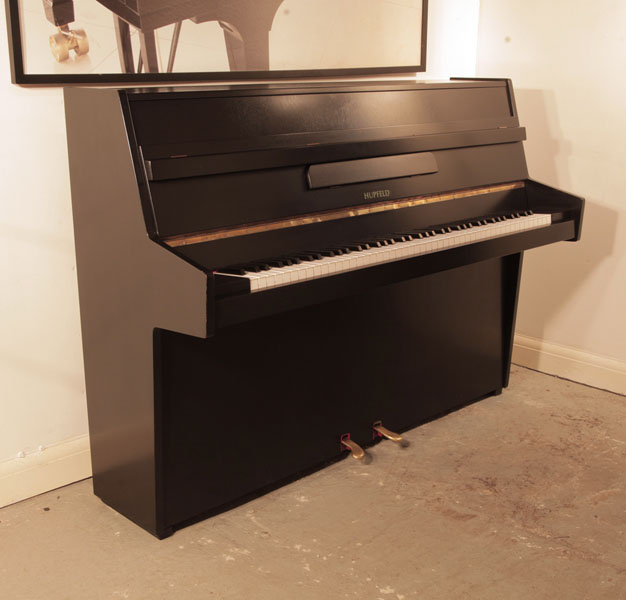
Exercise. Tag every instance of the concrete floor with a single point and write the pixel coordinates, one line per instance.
(518, 496)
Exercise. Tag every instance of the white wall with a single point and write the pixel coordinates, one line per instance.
(567, 60)
(42, 402)
(452, 38)
(42, 399)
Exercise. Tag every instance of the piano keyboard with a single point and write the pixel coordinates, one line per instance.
(307, 265)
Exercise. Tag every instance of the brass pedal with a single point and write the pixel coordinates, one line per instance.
(381, 431)
(356, 450)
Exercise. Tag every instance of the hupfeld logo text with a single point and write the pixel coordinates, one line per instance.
(376, 194)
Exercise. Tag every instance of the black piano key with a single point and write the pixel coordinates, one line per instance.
(353, 246)
(295, 260)
(309, 256)
(252, 268)
(278, 262)
(234, 270)
(377, 242)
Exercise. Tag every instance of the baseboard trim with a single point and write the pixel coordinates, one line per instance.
(584, 367)
(70, 461)
(46, 470)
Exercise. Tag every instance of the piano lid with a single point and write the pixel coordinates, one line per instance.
(196, 121)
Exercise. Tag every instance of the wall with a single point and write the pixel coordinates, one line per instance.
(42, 402)
(567, 61)
(43, 424)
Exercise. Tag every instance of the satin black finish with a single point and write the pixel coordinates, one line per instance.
(188, 413)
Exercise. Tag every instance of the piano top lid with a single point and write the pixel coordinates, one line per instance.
(200, 120)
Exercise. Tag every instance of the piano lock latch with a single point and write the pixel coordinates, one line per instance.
(381, 431)
(355, 449)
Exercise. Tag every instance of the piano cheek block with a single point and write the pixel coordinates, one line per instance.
(371, 169)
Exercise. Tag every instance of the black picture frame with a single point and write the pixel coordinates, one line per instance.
(21, 77)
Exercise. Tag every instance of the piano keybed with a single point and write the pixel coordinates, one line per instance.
(313, 264)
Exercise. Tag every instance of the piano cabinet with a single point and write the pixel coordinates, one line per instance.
(200, 398)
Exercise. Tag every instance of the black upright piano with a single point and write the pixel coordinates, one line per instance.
(274, 278)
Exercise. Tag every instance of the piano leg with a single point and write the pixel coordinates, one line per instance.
(124, 47)
(248, 48)
(512, 275)
(148, 52)
(170, 62)
(147, 43)
(148, 59)
(59, 12)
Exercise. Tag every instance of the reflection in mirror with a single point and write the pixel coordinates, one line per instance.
(236, 37)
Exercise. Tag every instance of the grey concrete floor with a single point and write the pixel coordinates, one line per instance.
(518, 496)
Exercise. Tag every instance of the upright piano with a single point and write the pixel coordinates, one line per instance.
(273, 278)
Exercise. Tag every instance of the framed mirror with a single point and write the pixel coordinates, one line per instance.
(120, 41)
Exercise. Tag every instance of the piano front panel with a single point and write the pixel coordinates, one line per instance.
(205, 203)
(267, 401)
